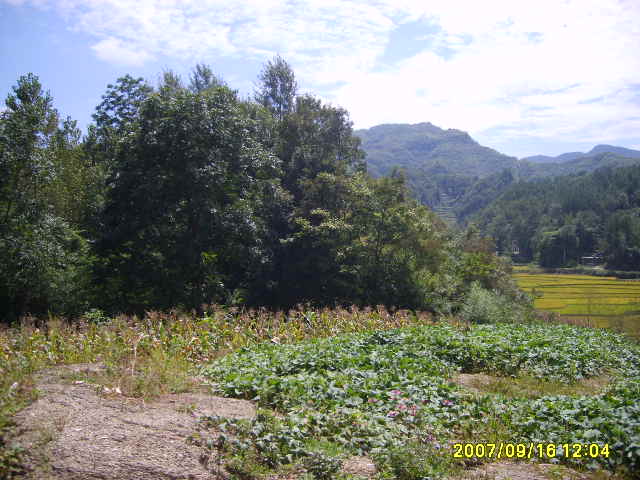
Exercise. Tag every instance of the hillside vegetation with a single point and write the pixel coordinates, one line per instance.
(566, 157)
(449, 171)
(437, 163)
(558, 220)
(184, 194)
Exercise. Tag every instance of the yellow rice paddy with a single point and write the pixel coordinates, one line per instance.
(602, 301)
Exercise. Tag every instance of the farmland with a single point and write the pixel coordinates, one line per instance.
(599, 301)
(387, 395)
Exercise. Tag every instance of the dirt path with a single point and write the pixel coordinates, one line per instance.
(73, 432)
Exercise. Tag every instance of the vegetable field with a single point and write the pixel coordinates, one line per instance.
(388, 395)
(600, 301)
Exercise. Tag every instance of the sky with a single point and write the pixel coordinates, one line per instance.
(522, 77)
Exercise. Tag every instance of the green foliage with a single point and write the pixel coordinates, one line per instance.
(370, 244)
(558, 221)
(621, 239)
(181, 220)
(182, 196)
(44, 262)
(386, 393)
(415, 460)
(610, 418)
(202, 78)
(321, 466)
(483, 306)
(278, 87)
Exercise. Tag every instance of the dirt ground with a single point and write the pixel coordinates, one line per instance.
(75, 431)
(521, 471)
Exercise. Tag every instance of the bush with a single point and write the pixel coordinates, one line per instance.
(483, 306)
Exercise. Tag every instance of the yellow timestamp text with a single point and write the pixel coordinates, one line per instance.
(530, 450)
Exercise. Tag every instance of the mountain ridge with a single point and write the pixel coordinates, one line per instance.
(449, 170)
(570, 156)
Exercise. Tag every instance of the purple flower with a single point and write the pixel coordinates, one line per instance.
(447, 403)
(392, 414)
(372, 400)
(395, 393)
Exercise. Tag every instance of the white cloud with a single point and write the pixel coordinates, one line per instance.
(115, 51)
(532, 68)
(534, 85)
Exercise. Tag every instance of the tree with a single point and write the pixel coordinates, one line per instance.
(170, 84)
(114, 117)
(316, 139)
(27, 127)
(181, 223)
(278, 87)
(359, 240)
(42, 259)
(203, 78)
(621, 241)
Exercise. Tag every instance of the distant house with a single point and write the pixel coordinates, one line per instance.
(592, 260)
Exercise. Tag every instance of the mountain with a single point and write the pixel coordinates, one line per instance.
(440, 165)
(424, 146)
(456, 176)
(567, 157)
(596, 158)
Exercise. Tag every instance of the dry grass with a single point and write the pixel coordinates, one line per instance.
(530, 387)
(159, 353)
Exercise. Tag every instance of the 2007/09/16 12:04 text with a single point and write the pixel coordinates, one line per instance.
(529, 450)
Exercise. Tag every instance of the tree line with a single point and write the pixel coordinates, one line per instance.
(558, 221)
(184, 194)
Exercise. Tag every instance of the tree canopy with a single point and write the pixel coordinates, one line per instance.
(183, 195)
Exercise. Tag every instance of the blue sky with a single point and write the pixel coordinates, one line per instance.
(525, 78)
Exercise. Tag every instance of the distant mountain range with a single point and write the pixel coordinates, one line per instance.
(456, 176)
(567, 157)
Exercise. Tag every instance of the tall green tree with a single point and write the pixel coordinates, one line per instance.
(114, 117)
(315, 139)
(203, 78)
(621, 240)
(42, 259)
(181, 225)
(277, 88)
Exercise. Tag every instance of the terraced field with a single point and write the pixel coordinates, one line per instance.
(601, 301)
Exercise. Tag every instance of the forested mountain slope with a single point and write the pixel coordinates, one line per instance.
(424, 146)
(567, 157)
(456, 176)
(558, 220)
(483, 191)
(440, 165)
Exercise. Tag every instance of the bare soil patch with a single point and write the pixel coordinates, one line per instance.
(74, 432)
(528, 386)
(521, 471)
(361, 466)
(472, 381)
